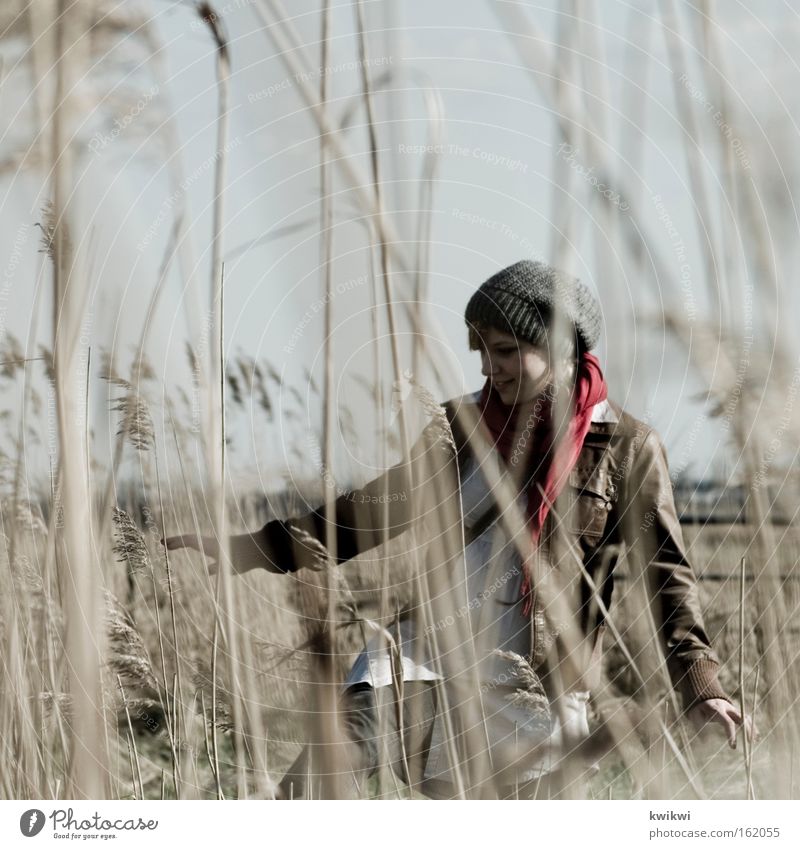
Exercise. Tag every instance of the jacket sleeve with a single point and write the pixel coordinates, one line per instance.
(364, 518)
(654, 529)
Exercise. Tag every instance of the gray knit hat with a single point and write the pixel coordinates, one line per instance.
(521, 299)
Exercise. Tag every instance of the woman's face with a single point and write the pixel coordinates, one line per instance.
(519, 371)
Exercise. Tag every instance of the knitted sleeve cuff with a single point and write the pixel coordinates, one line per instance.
(700, 683)
(269, 548)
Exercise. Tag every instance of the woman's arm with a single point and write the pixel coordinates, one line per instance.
(248, 551)
(382, 509)
(364, 518)
(653, 535)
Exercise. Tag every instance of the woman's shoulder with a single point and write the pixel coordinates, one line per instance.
(462, 407)
(621, 422)
(608, 417)
(462, 417)
(633, 436)
(467, 399)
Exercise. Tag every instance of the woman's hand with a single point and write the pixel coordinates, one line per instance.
(725, 714)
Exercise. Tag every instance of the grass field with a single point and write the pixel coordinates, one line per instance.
(156, 667)
(130, 674)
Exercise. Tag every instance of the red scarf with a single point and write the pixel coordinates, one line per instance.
(531, 442)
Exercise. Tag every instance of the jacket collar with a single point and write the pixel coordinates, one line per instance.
(603, 413)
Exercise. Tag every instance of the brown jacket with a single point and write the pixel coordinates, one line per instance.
(619, 503)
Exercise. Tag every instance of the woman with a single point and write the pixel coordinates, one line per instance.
(519, 529)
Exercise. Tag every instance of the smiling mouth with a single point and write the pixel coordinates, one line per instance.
(502, 384)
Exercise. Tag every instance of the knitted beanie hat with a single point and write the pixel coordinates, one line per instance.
(522, 298)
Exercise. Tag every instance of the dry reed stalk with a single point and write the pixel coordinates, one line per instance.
(750, 227)
(11, 678)
(79, 586)
(435, 126)
(671, 29)
(742, 698)
(767, 588)
(479, 765)
(757, 243)
(434, 109)
(643, 631)
(374, 313)
(50, 628)
(530, 43)
(212, 749)
(18, 680)
(326, 725)
(597, 92)
(331, 737)
(214, 742)
(137, 774)
(615, 632)
(113, 777)
(749, 765)
(178, 243)
(383, 247)
(28, 393)
(432, 613)
(132, 765)
(180, 722)
(181, 235)
(466, 421)
(638, 62)
(562, 214)
(290, 45)
(213, 762)
(173, 614)
(131, 404)
(169, 696)
(252, 727)
(215, 419)
(443, 588)
(380, 407)
(518, 23)
(128, 654)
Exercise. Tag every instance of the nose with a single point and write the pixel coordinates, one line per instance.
(487, 367)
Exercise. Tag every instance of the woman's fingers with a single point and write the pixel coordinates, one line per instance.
(723, 713)
(751, 730)
(748, 726)
(733, 713)
(730, 729)
(734, 721)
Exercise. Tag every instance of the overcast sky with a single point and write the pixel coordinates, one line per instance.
(505, 188)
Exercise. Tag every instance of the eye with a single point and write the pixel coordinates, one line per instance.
(505, 352)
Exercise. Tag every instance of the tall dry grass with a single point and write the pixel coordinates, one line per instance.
(128, 672)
